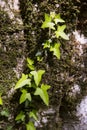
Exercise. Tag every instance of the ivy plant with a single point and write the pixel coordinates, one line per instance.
(30, 86)
(53, 22)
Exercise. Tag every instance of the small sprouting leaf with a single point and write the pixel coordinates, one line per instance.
(52, 14)
(24, 96)
(1, 102)
(23, 81)
(58, 19)
(47, 44)
(56, 50)
(5, 113)
(42, 92)
(48, 22)
(39, 56)
(37, 76)
(9, 127)
(20, 116)
(30, 64)
(30, 126)
(60, 32)
(33, 114)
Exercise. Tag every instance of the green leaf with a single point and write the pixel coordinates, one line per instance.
(23, 81)
(1, 102)
(42, 92)
(39, 56)
(24, 96)
(47, 18)
(58, 19)
(9, 127)
(30, 64)
(47, 44)
(20, 116)
(33, 114)
(30, 126)
(47, 23)
(56, 50)
(37, 76)
(45, 87)
(5, 113)
(52, 14)
(60, 32)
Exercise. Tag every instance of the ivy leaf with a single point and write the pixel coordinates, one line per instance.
(33, 114)
(23, 81)
(42, 92)
(45, 87)
(20, 116)
(1, 102)
(5, 113)
(60, 32)
(9, 127)
(58, 19)
(39, 56)
(30, 126)
(30, 64)
(24, 96)
(56, 50)
(37, 76)
(52, 14)
(47, 44)
(48, 22)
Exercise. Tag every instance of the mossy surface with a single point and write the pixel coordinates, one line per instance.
(11, 48)
(12, 51)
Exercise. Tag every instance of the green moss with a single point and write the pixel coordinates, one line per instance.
(9, 51)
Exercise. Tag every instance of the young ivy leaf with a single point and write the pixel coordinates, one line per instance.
(23, 81)
(30, 64)
(48, 22)
(56, 50)
(1, 102)
(52, 14)
(24, 96)
(30, 126)
(33, 114)
(58, 19)
(20, 116)
(42, 92)
(5, 113)
(37, 76)
(60, 32)
(47, 44)
(39, 56)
